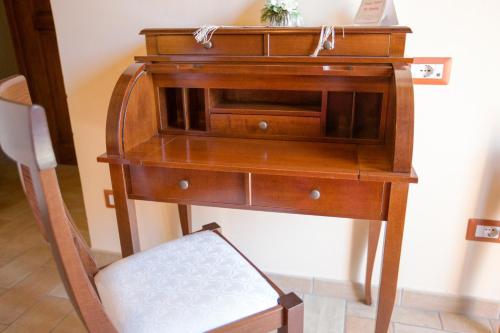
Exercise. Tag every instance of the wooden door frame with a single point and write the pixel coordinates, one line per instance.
(28, 26)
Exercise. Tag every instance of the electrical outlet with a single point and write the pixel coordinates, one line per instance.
(431, 70)
(483, 230)
(427, 71)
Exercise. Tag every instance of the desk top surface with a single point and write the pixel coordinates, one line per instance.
(294, 158)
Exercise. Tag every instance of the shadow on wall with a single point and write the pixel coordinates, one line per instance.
(359, 241)
(251, 14)
(89, 98)
(488, 207)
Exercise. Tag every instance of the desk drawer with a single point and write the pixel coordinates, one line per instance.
(178, 185)
(351, 45)
(264, 125)
(230, 45)
(333, 197)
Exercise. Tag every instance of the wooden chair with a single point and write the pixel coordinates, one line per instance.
(197, 283)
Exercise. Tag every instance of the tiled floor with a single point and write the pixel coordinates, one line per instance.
(32, 298)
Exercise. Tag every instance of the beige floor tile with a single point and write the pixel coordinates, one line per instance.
(401, 328)
(338, 289)
(20, 244)
(429, 319)
(2, 327)
(23, 265)
(401, 315)
(450, 303)
(43, 316)
(495, 324)
(26, 293)
(361, 325)
(290, 283)
(59, 291)
(350, 291)
(70, 324)
(358, 309)
(323, 314)
(461, 324)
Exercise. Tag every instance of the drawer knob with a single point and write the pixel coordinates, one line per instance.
(208, 45)
(184, 184)
(328, 45)
(315, 194)
(263, 125)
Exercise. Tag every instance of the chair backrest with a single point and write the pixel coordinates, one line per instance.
(25, 138)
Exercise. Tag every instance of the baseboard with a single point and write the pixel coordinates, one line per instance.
(421, 300)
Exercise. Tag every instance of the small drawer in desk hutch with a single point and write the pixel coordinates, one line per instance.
(264, 125)
(178, 185)
(331, 197)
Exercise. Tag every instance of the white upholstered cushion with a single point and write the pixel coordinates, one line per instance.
(193, 284)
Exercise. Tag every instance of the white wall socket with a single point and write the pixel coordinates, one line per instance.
(484, 231)
(427, 71)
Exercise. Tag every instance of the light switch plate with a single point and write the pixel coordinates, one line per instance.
(109, 199)
(431, 70)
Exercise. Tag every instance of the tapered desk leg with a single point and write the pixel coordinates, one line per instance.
(125, 212)
(392, 253)
(373, 237)
(185, 218)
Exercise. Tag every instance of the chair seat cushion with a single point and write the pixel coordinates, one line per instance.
(193, 284)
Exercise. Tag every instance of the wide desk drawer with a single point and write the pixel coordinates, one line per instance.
(230, 45)
(264, 125)
(331, 197)
(178, 185)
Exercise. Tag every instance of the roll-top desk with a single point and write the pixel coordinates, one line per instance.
(250, 120)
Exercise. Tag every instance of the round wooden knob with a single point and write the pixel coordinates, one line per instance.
(315, 194)
(208, 45)
(263, 125)
(328, 45)
(184, 184)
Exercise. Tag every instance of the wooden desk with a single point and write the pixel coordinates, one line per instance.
(251, 121)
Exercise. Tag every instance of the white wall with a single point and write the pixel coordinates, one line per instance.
(457, 141)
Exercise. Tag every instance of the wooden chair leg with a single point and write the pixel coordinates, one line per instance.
(185, 218)
(294, 314)
(373, 237)
(392, 254)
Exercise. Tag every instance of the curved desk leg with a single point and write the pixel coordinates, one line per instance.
(185, 218)
(392, 253)
(125, 212)
(373, 237)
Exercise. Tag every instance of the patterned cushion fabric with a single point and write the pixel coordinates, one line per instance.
(193, 284)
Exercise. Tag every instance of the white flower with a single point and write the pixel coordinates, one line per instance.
(271, 2)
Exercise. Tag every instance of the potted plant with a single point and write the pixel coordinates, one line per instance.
(281, 13)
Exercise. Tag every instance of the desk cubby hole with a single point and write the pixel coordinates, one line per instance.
(255, 101)
(354, 115)
(184, 108)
